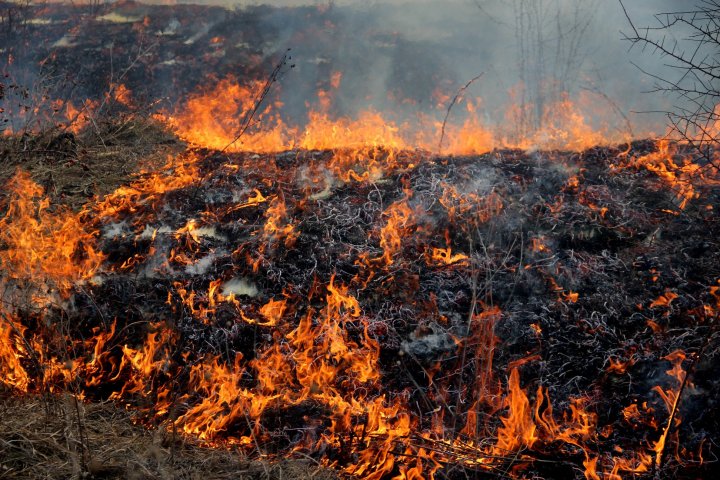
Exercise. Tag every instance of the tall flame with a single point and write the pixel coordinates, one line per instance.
(44, 246)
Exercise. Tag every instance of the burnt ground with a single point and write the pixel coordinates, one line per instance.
(598, 275)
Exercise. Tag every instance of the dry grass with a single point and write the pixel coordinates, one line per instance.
(57, 437)
(73, 168)
(51, 437)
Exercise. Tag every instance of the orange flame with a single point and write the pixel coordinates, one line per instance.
(213, 117)
(44, 246)
(12, 350)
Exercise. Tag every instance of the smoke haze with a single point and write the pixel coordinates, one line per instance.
(409, 59)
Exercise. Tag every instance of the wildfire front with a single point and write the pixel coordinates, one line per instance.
(249, 274)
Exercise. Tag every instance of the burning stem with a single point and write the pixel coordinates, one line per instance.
(452, 104)
(671, 419)
(260, 98)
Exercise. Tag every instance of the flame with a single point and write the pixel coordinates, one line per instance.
(486, 390)
(671, 398)
(273, 311)
(120, 93)
(460, 205)
(444, 256)
(146, 362)
(399, 220)
(324, 354)
(681, 178)
(44, 247)
(219, 117)
(664, 300)
(335, 79)
(619, 366)
(12, 350)
(276, 228)
(309, 363)
(178, 172)
(538, 245)
(318, 361)
(256, 199)
(210, 118)
(564, 127)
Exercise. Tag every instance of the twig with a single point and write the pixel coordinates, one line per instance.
(248, 116)
(697, 68)
(259, 99)
(452, 104)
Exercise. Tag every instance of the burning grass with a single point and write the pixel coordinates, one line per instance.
(351, 291)
(58, 437)
(72, 168)
(391, 316)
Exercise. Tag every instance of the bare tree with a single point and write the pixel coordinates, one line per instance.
(689, 44)
(550, 51)
(550, 36)
(14, 15)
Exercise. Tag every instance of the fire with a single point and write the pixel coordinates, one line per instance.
(664, 300)
(44, 247)
(121, 93)
(256, 199)
(146, 362)
(273, 312)
(233, 116)
(276, 228)
(671, 398)
(310, 363)
(538, 245)
(460, 204)
(321, 345)
(678, 171)
(444, 256)
(223, 400)
(335, 79)
(519, 429)
(564, 126)
(619, 366)
(177, 172)
(399, 217)
(12, 350)
(370, 129)
(211, 118)
(78, 118)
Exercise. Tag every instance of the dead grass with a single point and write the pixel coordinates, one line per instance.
(51, 437)
(57, 437)
(73, 168)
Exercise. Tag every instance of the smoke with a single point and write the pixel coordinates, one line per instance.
(407, 60)
(411, 58)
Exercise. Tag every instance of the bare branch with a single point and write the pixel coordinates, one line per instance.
(688, 41)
